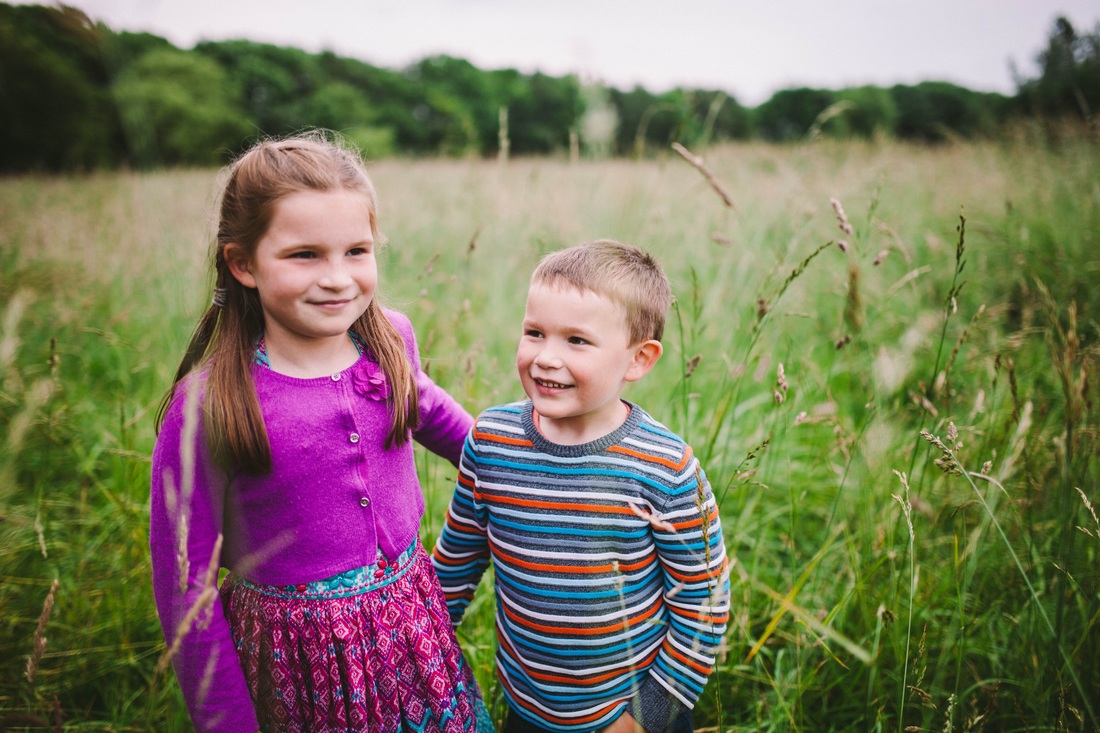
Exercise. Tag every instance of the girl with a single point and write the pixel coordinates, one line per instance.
(284, 454)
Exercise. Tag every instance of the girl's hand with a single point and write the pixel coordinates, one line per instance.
(625, 723)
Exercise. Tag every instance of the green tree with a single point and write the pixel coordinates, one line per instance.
(868, 111)
(1068, 84)
(268, 83)
(179, 108)
(556, 108)
(56, 112)
(790, 113)
(936, 110)
(645, 119)
(474, 101)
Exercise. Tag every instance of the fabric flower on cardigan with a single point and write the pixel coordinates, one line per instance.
(370, 380)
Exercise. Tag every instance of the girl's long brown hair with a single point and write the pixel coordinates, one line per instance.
(224, 341)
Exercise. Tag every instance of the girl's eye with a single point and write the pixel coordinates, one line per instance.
(532, 333)
(304, 255)
(577, 340)
(357, 251)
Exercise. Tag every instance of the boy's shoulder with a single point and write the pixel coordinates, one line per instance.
(650, 430)
(510, 413)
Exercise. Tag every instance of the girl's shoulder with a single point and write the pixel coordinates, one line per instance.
(182, 417)
(404, 328)
(191, 389)
(400, 321)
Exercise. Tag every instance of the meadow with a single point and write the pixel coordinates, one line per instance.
(884, 355)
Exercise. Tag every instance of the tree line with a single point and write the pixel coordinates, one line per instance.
(79, 96)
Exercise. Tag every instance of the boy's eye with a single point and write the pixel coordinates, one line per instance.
(303, 255)
(357, 251)
(577, 340)
(532, 333)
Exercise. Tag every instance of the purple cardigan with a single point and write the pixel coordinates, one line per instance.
(333, 498)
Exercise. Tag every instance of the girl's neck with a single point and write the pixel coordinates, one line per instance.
(309, 359)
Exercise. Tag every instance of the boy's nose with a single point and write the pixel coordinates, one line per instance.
(546, 358)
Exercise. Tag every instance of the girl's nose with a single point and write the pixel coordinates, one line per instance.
(335, 276)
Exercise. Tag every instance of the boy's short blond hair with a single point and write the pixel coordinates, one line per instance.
(623, 273)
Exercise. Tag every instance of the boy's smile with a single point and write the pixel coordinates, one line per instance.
(574, 359)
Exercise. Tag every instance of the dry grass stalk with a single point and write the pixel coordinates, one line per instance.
(40, 634)
(191, 417)
(652, 519)
(781, 385)
(697, 163)
(40, 531)
(942, 384)
(763, 307)
(203, 602)
(691, 365)
(1092, 511)
(841, 218)
(947, 462)
(906, 505)
(853, 301)
(58, 721)
(503, 140)
(9, 340)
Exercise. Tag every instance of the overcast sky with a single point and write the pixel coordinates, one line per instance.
(747, 48)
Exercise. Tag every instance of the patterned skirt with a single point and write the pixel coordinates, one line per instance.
(371, 649)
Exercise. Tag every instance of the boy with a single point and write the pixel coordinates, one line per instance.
(603, 531)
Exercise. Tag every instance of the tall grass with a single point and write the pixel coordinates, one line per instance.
(963, 303)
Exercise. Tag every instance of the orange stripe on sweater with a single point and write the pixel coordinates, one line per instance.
(567, 506)
(543, 715)
(579, 631)
(652, 458)
(583, 570)
(583, 681)
(492, 438)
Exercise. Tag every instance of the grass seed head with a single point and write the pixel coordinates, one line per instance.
(841, 218)
(40, 634)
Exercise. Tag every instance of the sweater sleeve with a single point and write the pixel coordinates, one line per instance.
(461, 552)
(443, 422)
(692, 554)
(184, 525)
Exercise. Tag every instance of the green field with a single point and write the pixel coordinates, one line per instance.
(882, 580)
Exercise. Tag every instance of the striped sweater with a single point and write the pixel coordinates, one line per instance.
(609, 567)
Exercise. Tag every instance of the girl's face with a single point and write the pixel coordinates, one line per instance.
(314, 270)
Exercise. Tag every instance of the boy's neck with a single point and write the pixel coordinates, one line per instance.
(577, 431)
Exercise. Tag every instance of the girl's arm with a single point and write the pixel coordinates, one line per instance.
(443, 422)
(185, 523)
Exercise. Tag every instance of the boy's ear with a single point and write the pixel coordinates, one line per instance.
(646, 355)
(239, 265)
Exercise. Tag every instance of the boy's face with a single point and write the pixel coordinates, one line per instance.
(574, 359)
